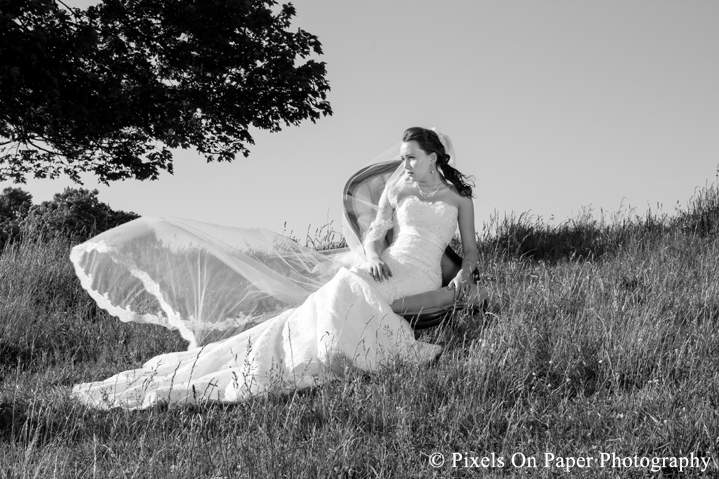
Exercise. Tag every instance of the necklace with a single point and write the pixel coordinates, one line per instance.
(427, 196)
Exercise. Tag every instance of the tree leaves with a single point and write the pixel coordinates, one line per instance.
(112, 89)
(14, 206)
(75, 214)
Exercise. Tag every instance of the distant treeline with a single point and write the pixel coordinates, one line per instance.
(76, 214)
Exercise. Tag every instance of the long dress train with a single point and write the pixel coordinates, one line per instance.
(348, 322)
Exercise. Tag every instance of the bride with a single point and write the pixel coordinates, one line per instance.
(263, 314)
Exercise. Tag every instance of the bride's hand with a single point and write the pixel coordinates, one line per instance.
(461, 284)
(378, 269)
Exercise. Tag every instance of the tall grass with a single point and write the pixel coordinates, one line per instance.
(601, 337)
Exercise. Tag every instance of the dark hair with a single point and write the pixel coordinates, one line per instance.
(429, 142)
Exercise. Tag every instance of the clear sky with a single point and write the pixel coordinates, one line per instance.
(552, 105)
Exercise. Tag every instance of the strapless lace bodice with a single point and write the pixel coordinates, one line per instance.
(435, 221)
(422, 231)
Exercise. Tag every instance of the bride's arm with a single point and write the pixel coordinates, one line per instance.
(463, 281)
(375, 238)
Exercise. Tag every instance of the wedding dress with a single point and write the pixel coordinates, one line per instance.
(338, 323)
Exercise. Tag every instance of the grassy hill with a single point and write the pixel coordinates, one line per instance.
(600, 342)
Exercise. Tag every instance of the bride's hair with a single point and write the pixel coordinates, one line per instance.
(429, 142)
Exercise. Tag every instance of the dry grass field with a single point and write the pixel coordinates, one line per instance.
(598, 357)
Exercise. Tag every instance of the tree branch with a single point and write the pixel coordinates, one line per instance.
(55, 153)
(70, 9)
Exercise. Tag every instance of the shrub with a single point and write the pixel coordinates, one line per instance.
(76, 214)
(14, 206)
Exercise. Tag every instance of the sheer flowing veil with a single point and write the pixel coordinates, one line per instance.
(211, 282)
(207, 281)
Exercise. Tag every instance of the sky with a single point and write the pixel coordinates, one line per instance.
(553, 106)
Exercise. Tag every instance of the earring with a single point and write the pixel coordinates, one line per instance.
(431, 169)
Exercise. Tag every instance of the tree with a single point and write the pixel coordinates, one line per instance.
(76, 214)
(113, 88)
(14, 206)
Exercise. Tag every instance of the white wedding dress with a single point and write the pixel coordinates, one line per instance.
(347, 323)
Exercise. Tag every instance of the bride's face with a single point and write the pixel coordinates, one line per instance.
(417, 162)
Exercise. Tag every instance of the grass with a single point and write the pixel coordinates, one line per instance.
(601, 338)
